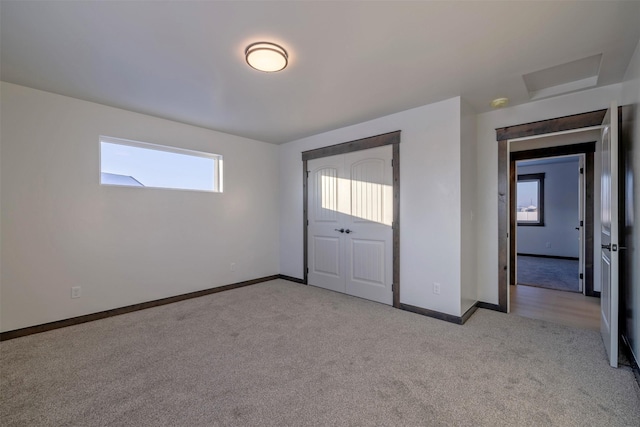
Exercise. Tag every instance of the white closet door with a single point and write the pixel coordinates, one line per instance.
(350, 212)
(369, 237)
(326, 185)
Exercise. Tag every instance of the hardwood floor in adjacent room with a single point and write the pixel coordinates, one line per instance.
(567, 308)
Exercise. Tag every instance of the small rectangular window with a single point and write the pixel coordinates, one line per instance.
(140, 164)
(530, 199)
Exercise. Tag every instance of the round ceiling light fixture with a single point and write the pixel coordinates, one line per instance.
(500, 102)
(267, 57)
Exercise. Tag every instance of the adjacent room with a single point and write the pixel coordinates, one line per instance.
(319, 213)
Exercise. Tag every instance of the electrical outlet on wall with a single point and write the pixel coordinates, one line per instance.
(436, 288)
(75, 292)
(232, 266)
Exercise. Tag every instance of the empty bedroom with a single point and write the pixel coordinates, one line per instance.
(279, 213)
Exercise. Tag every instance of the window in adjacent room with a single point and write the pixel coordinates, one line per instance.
(140, 164)
(530, 199)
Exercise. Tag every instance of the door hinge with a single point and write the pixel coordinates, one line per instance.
(307, 223)
(307, 174)
(581, 276)
(393, 287)
(391, 162)
(581, 223)
(307, 270)
(581, 171)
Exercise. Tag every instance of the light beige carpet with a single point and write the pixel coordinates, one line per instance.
(284, 354)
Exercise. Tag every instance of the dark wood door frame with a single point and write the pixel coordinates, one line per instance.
(588, 149)
(392, 138)
(577, 121)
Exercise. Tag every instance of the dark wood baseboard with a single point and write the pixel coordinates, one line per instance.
(30, 330)
(468, 313)
(291, 279)
(488, 306)
(571, 258)
(626, 348)
(458, 320)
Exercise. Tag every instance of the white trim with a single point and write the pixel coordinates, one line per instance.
(564, 132)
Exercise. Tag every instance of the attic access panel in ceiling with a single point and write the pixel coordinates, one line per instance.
(564, 78)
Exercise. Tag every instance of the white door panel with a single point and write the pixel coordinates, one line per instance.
(367, 256)
(325, 194)
(370, 275)
(609, 235)
(325, 265)
(605, 295)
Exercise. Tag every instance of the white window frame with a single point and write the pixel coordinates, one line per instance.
(217, 158)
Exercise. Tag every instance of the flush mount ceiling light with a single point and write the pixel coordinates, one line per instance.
(267, 57)
(500, 102)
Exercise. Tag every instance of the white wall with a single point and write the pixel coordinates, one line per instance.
(122, 245)
(561, 212)
(487, 168)
(430, 197)
(631, 96)
(468, 172)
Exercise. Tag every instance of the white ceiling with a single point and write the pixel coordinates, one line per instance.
(349, 61)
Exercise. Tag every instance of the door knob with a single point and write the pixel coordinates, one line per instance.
(341, 230)
(608, 246)
(348, 231)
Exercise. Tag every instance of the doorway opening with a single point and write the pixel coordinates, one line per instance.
(551, 268)
(506, 168)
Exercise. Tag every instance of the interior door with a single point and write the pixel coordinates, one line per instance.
(368, 233)
(609, 235)
(350, 213)
(326, 186)
(581, 218)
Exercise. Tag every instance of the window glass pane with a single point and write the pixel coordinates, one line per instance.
(131, 165)
(528, 200)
